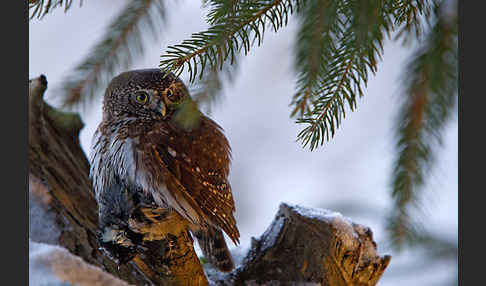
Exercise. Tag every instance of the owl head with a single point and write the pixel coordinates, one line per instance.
(144, 94)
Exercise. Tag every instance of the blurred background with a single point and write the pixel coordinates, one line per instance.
(351, 174)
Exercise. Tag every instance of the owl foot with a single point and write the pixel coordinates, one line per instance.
(171, 246)
(153, 215)
(120, 245)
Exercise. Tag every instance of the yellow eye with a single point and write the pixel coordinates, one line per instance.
(142, 97)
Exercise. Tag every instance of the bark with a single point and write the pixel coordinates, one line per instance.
(310, 246)
(300, 246)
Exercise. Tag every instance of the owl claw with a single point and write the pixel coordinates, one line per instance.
(140, 248)
(119, 245)
(135, 225)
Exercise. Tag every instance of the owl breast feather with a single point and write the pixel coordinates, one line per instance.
(114, 160)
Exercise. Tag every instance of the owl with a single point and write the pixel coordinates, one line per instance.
(142, 156)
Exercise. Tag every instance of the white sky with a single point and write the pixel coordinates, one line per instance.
(269, 166)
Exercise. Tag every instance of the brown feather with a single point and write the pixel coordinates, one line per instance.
(195, 166)
(214, 248)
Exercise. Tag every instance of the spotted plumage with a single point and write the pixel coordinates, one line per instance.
(141, 155)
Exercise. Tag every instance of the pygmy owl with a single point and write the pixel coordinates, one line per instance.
(142, 155)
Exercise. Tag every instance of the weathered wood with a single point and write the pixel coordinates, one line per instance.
(310, 247)
(60, 187)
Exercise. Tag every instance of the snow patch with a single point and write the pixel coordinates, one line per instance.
(239, 253)
(343, 225)
(51, 265)
(316, 213)
(271, 234)
(42, 225)
(40, 273)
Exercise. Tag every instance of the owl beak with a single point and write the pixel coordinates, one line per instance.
(162, 109)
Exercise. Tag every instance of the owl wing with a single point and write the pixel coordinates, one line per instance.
(191, 169)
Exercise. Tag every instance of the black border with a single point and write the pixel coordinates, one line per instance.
(471, 143)
(14, 119)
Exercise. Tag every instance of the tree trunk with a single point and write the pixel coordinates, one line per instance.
(300, 246)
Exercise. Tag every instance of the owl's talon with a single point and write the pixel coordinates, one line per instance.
(120, 245)
(170, 245)
(135, 225)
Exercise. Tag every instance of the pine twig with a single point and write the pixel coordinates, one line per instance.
(352, 44)
(40, 8)
(228, 35)
(121, 44)
(430, 99)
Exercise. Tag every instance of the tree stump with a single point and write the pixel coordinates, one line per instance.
(312, 246)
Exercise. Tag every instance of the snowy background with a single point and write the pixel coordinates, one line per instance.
(269, 166)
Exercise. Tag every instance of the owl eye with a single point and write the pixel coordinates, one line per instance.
(141, 97)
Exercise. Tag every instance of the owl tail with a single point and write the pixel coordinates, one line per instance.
(212, 243)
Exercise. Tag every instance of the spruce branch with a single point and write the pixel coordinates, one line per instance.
(234, 28)
(315, 43)
(40, 8)
(207, 90)
(410, 15)
(430, 99)
(221, 10)
(122, 43)
(335, 62)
